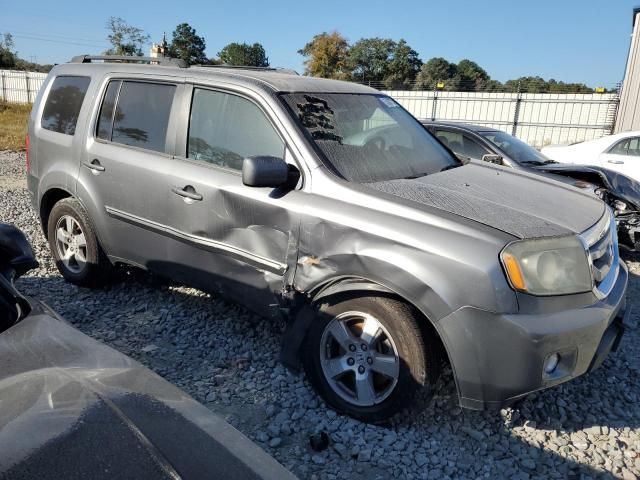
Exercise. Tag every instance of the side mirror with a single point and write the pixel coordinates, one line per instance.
(264, 171)
(497, 159)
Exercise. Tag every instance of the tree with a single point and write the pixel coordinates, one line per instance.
(540, 85)
(470, 76)
(7, 56)
(244, 54)
(187, 45)
(403, 68)
(126, 39)
(434, 71)
(369, 59)
(326, 56)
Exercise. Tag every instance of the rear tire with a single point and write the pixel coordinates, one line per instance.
(354, 369)
(75, 247)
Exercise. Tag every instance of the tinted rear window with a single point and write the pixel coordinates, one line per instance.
(63, 104)
(142, 115)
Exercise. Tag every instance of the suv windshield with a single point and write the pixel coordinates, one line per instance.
(515, 149)
(367, 137)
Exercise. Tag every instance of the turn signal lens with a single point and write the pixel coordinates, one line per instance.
(514, 272)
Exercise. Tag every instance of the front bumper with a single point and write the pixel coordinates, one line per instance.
(499, 358)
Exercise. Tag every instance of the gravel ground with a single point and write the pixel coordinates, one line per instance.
(227, 358)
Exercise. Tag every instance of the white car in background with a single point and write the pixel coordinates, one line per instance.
(620, 153)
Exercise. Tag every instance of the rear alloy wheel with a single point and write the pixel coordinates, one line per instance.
(74, 245)
(368, 357)
(71, 244)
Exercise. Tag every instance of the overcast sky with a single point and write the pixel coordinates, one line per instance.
(573, 41)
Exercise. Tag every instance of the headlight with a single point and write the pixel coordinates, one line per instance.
(548, 266)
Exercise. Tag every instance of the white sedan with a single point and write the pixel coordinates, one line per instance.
(620, 152)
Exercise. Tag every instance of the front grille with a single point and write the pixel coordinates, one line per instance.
(602, 243)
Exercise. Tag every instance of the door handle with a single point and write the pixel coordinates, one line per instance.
(94, 166)
(187, 192)
(617, 162)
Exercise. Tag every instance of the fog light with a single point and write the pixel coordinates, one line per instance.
(551, 363)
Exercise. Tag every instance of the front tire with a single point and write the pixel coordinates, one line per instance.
(367, 356)
(75, 247)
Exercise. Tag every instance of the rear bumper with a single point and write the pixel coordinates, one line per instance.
(499, 358)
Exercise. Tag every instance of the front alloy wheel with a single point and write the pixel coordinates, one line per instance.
(368, 356)
(359, 359)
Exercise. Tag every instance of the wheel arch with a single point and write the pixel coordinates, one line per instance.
(348, 284)
(358, 284)
(52, 196)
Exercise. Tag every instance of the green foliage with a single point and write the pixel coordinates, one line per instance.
(9, 58)
(124, 38)
(326, 55)
(7, 55)
(403, 67)
(369, 59)
(243, 54)
(436, 70)
(540, 85)
(385, 63)
(470, 76)
(187, 45)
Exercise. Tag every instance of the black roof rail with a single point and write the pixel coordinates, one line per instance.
(248, 67)
(164, 61)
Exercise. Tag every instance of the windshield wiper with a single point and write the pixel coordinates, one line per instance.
(413, 177)
(532, 162)
(547, 162)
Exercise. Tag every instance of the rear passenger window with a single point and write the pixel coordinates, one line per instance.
(226, 128)
(141, 116)
(63, 104)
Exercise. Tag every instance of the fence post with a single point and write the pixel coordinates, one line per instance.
(516, 113)
(4, 87)
(26, 81)
(435, 103)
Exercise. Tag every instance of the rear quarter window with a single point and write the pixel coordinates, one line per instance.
(61, 110)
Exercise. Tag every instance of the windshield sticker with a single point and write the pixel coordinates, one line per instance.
(388, 102)
(316, 115)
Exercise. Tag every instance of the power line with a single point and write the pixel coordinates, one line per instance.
(51, 35)
(67, 42)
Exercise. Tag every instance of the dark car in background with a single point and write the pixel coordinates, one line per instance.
(478, 142)
(73, 408)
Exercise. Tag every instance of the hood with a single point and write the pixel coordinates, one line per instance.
(625, 188)
(71, 407)
(521, 204)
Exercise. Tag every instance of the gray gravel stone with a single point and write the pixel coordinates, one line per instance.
(225, 356)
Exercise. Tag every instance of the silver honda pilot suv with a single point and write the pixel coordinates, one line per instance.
(327, 204)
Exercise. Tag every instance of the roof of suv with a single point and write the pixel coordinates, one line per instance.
(272, 80)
